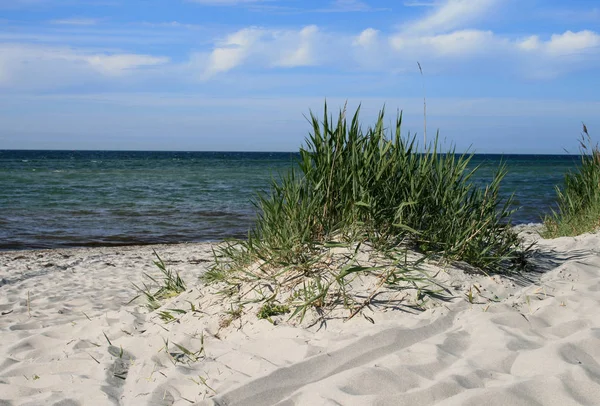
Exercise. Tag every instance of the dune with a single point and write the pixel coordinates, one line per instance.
(70, 334)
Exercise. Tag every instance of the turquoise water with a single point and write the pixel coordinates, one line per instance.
(51, 199)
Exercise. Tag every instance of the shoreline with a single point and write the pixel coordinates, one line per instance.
(69, 333)
(533, 227)
(102, 246)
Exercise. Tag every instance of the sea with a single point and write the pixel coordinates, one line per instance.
(58, 199)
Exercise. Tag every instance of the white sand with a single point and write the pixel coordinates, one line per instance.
(539, 343)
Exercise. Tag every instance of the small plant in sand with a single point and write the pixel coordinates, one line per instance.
(182, 354)
(271, 309)
(170, 285)
(203, 381)
(233, 314)
(359, 197)
(578, 209)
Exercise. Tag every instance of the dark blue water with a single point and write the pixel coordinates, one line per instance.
(52, 199)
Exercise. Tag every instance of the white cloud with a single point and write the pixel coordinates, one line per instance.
(233, 51)
(452, 14)
(444, 39)
(561, 53)
(367, 38)
(567, 43)
(41, 66)
(369, 50)
(76, 21)
(301, 52)
(460, 42)
(530, 43)
(122, 63)
(570, 42)
(374, 51)
(266, 48)
(457, 43)
(447, 32)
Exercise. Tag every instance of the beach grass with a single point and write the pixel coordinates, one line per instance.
(170, 285)
(372, 188)
(578, 200)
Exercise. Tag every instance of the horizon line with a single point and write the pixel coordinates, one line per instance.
(261, 152)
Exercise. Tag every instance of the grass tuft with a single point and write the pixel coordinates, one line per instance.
(182, 354)
(354, 189)
(270, 309)
(578, 200)
(169, 286)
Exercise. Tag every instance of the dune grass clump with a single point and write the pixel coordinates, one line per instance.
(578, 200)
(371, 187)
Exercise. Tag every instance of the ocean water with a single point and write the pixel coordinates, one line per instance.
(51, 199)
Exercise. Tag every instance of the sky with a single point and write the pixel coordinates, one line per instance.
(499, 76)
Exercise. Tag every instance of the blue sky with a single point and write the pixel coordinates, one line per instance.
(504, 76)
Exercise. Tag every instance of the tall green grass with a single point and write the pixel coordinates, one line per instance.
(578, 200)
(374, 186)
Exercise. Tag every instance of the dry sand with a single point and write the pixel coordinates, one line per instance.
(522, 342)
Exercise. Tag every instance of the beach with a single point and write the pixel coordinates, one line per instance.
(292, 203)
(70, 334)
